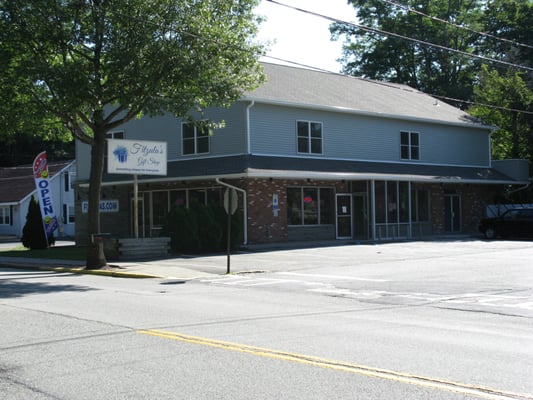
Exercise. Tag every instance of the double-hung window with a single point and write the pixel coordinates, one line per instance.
(309, 136)
(195, 139)
(409, 145)
(5, 215)
(68, 214)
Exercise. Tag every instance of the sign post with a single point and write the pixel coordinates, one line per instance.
(136, 157)
(230, 205)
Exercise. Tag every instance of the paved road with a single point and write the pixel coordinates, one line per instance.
(411, 321)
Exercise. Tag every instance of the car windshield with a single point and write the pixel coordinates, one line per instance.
(511, 214)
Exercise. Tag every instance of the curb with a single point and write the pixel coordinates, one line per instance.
(116, 274)
(83, 271)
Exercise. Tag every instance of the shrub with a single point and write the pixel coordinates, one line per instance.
(33, 236)
(200, 228)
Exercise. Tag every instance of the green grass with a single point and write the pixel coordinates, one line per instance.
(59, 253)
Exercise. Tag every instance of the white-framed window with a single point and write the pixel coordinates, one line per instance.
(69, 178)
(68, 214)
(309, 137)
(409, 145)
(5, 215)
(112, 135)
(195, 139)
(115, 135)
(310, 205)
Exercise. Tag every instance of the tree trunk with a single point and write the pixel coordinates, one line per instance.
(95, 250)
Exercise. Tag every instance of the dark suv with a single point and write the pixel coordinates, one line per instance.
(517, 222)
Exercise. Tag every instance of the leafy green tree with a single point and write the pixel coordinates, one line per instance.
(95, 64)
(510, 20)
(391, 58)
(500, 100)
(33, 236)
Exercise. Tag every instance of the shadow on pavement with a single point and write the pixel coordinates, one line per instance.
(10, 288)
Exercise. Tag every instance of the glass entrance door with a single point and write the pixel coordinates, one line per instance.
(452, 213)
(344, 216)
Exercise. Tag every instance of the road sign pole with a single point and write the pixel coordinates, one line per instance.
(230, 205)
(229, 244)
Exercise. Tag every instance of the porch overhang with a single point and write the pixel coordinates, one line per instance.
(264, 167)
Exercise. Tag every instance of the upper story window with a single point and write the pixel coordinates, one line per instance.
(195, 139)
(409, 145)
(115, 135)
(309, 137)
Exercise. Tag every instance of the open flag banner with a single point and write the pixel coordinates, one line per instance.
(42, 182)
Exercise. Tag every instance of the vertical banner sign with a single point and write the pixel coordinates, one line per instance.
(44, 193)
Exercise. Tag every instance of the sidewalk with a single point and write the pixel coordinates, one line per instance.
(257, 258)
(170, 268)
(247, 260)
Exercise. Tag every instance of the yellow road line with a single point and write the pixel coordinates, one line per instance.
(473, 390)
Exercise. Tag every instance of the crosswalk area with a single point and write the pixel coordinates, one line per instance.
(347, 287)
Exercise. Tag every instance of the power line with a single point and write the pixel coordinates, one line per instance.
(216, 41)
(485, 34)
(386, 33)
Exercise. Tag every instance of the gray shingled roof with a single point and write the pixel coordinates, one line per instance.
(18, 182)
(308, 88)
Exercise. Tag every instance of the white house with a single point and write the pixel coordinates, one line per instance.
(17, 186)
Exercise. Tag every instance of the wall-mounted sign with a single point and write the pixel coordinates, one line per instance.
(106, 206)
(136, 157)
(275, 201)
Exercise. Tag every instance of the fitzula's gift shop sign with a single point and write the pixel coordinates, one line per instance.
(136, 157)
(44, 193)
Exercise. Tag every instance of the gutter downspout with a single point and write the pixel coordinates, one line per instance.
(248, 136)
(245, 207)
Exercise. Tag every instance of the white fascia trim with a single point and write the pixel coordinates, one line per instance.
(316, 175)
(278, 174)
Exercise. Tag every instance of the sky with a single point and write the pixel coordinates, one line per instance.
(300, 37)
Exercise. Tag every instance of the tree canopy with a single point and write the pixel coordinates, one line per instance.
(392, 43)
(92, 65)
(463, 51)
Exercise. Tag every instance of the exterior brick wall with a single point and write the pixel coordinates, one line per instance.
(263, 225)
(474, 199)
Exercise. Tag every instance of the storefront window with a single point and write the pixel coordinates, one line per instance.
(380, 202)
(327, 206)
(310, 206)
(403, 204)
(420, 206)
(392, 202)
(294, 209)
(178, 198)
(197, 196)
(159, 207)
